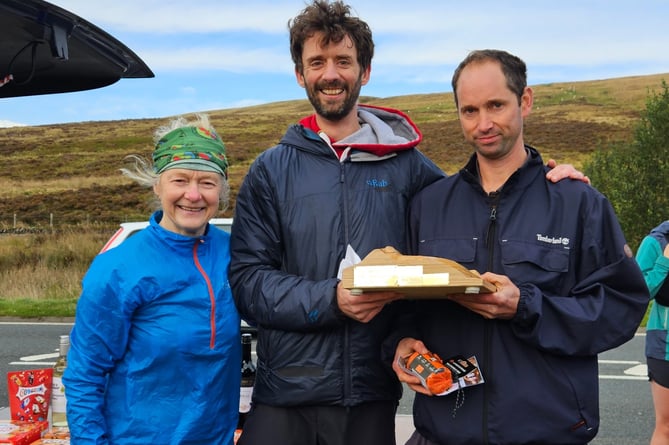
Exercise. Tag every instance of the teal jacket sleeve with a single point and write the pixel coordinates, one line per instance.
(653, 264)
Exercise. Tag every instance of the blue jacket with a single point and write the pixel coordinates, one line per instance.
(655, 268)
(581, 293)
(155, 349)
(297, 211)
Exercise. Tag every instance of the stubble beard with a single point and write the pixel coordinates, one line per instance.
(334, 112)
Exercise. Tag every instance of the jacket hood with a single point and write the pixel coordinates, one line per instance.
(662, 229)
(383, 131)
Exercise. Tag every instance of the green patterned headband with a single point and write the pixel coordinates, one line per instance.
(192, 148)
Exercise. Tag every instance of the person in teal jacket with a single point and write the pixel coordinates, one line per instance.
(155, 348)
(653, 259)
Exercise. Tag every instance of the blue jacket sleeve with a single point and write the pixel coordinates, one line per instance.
(265, 293)
(654, 265)
(603, 305)
(98, 339)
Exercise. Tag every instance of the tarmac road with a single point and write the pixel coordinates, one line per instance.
(626, 406)
(625, 402)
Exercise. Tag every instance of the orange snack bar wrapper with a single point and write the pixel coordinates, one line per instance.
(434, 375)
(30, 394)
(17, 432)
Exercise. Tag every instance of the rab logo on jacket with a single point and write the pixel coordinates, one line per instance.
(378, 183)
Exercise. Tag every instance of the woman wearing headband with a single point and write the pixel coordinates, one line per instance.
(155, 349)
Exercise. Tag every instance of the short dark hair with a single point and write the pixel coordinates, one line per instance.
(513, 67)
(335, 21)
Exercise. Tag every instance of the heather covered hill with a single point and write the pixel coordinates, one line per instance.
(68, 174)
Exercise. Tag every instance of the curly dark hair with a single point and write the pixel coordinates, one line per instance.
(335, 21)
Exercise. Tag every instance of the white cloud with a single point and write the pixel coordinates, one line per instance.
(6, 124)
(226, 53)
(188, 90)
(201, 16)
(235, 60)
(252, 35)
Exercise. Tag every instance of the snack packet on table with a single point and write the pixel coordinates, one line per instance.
(44, 441)
(30, 394)
(17, 432)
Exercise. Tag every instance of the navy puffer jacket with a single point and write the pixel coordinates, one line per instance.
(297, 211)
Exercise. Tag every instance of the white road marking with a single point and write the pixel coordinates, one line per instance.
(621, 377)
(639, 370)
(36, 360)
(40, 323)
(31, 358)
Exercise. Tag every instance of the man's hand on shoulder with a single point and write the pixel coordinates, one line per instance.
(558, 172)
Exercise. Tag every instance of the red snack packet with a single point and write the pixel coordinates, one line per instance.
(16, 432)
(30, 394)
(46, 441)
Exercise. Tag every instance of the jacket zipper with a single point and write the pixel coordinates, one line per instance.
(491, 235)
(212, 296)
(347, 338)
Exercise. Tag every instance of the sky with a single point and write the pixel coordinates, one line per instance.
(218, 54)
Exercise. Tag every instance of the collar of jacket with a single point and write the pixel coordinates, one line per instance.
(520, 177)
